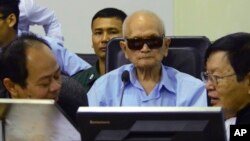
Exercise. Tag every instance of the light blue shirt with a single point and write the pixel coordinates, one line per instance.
(69, 62)
(174, 89)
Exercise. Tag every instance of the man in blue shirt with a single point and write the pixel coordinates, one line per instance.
(32, 13)
(148, 82)
(69, 62)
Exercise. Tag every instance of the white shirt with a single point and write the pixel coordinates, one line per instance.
(228, 122)
(32, 14)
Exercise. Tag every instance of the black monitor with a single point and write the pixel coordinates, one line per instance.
(151, 124)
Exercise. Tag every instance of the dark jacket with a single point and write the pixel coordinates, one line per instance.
(88, 77)
(243, 116)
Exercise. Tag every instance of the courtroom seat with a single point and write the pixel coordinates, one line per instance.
(90, 58)
(199, 43)
(183, 59)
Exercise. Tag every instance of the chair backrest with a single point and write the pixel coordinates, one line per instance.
(90, 58)
(185, 54)
(199, 43)
(114, 55)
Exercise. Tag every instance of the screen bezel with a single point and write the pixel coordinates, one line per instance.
(92, 120)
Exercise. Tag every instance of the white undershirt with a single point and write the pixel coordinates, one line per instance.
(228, 122)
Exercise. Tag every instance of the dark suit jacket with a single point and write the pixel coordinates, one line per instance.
(243, 116)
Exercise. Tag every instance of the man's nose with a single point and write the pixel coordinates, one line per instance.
(209, 84)
(55, 85)
(105, 37)
(145, 47)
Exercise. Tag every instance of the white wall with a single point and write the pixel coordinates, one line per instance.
(76, 16)
(212, 18)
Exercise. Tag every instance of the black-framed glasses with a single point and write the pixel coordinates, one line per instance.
(152, 42)
(205, 76)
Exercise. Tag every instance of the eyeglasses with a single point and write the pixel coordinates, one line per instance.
(205, 76)
(137, 43)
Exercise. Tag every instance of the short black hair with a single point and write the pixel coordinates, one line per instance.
(109, 13)
(13, 59)
(8, 7)
(237, 47)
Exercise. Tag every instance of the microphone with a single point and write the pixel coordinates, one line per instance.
(125, 79)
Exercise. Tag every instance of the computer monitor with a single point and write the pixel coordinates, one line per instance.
(34, 120)
(151, 124)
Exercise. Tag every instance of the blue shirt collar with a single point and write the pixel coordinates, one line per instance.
(165, 82)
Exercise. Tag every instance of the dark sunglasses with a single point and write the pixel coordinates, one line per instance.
(152, 42)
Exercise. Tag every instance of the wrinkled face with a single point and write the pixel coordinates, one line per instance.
(44, 80)
(103, 30)
(227, 92)
(150, 54)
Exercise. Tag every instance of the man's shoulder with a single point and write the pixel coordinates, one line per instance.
(52, 41)
(114, 75)
(86, 75)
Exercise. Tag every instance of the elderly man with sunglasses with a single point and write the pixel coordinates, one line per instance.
(146, 82)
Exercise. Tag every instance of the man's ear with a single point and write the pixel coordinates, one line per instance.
(123, 46)
(11, 87)
(166, 42)
(12, 20)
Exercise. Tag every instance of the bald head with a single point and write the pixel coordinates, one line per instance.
(140, 20)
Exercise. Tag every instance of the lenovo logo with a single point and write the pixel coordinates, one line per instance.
(99, 122)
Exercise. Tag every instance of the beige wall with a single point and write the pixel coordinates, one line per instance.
(212, 18)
